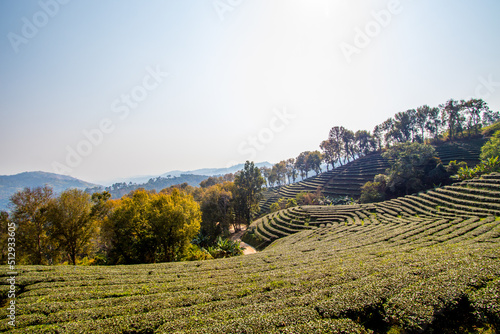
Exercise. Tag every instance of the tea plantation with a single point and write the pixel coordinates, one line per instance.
(427, 263)
(348, 179)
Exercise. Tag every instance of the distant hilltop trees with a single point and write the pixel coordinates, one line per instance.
(449, 121)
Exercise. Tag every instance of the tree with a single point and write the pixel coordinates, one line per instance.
(474, 108)
(451, 116)
(403, 126)
(248, 183)
(313, 161)
(349, 144)
(280, 170)
(266, 172)
(336, 142)
(491, 149)
(4, 236)
(71, 222)
(148, 227)
(364, 142)
(374, 191)
(291, 171)
(272, 177)
(387, 128)
(490, 117)
(174, 221)
(217, 211)
(301, 164)
(410, 163)
(29, 208)
(329, 152)
(434, 123)
(421, 118)
(377, 137)
(131, 239)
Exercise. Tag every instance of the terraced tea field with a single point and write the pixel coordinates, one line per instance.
(427, 263)
(347, 180)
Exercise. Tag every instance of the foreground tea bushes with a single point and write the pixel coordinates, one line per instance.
(359, 269)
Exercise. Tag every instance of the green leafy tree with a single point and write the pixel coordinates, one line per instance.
(71, 222)
(491, 148)
(410, 163)
(248, 183)
(217, 211)
(374, 191)
(29, 208)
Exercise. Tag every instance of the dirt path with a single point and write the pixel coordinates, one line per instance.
(236, 236)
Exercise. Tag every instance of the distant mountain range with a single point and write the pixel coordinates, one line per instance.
(178, 173)
(9, 184)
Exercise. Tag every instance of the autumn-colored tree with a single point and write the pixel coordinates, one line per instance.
(148, 227)
(174, 221)
(4, 236)
(29, 214)
(130, 237)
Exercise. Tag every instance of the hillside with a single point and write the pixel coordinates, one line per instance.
(347, 180)
(420, 264)
(9, 184)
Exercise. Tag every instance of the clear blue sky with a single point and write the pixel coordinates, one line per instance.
(189, 84)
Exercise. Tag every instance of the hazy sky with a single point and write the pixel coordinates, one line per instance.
(106, 89)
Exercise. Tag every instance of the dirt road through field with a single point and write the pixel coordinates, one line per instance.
(236, 236)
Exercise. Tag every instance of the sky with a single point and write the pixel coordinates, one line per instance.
(101, 90)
